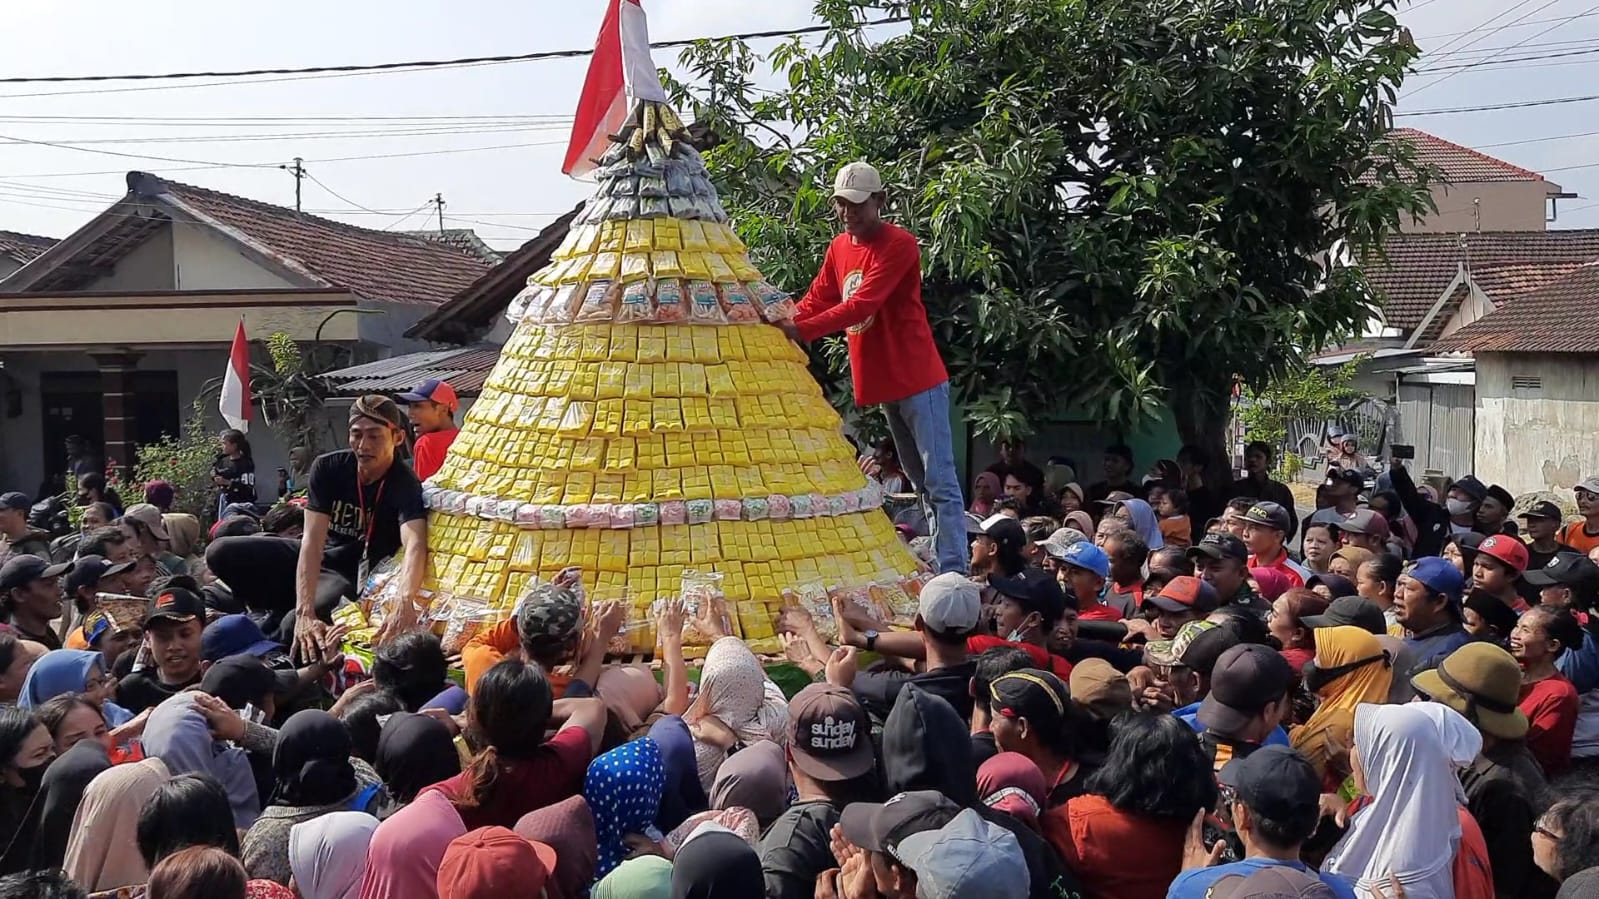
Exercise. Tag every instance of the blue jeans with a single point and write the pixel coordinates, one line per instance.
(919, 425)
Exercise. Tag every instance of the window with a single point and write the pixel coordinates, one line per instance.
(1526, 382)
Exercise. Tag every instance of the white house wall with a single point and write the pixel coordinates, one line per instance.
(206, 261)
(1537, 439)
(147, 267)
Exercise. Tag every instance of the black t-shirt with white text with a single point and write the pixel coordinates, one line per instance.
(356, 511)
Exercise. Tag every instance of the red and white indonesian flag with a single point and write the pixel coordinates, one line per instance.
(620, 72)
(235, 401)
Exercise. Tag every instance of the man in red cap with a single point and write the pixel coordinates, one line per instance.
(1500, 562)
(431, 407)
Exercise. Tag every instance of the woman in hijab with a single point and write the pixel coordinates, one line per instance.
(985, 489)
(1350, 668)
(645, 877)
(327, 855)
(403, 860)
(1411, 827)
(717, 865)
(735, 820)
(26, 751)
(73, 671)
(313, 774)
(731, 703)
(684, 795)
(1080, 521)
(179, 735)
(1270, 582)
(183, 531)
(1010, 782)
(414, 752)
(62, 791)
(103, 851)
(756, 779)
(568, 826)
(630, 692)
(623, 789)
(1141, 518)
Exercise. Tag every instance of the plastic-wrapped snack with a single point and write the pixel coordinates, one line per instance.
(668, 311)
(474, 505)
(588, 515)
(505, 510)
(646, 515)
(654, 208)
(625, 186)
(666, 264)
(739, 304)
(779, 507)
(675, 512)
(729, 510)
(679, 179)
(527, 515)
(702, 590)
(635, 266)
(900, 606)
(561, 304)
(859, 603)
(469, 616)
(700, 511)
(812, 597)
(603, 208)
(640, 237)
(637, 305)
(755, 508)
(802, 507)
(623, 208)
(706, 307)
(775, 304)
(742, 269)
(551, 517)
(652, 187)
(623, 515)
(518, 307)
(524, 552)
(683, 207)
(852, 501)
(614, 169)
(656, 153)
(455, 502)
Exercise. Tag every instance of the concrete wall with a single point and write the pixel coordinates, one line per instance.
(9, 265)
(1504, 206)
(206, 261)
(148, 267)
(1537, 438)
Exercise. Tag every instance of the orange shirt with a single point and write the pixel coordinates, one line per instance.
(490, 647)
(1575, 535)
(1093, 837)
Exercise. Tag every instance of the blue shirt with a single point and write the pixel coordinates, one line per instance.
(1581, 665)
(1195, 884)
(1434, 646)
(1189, 715)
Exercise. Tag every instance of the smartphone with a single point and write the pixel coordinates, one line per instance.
(1403, 451)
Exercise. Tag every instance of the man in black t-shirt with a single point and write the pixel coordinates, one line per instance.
(363, 505)
(173, 626)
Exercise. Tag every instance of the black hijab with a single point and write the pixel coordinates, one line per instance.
(717, 866)
(312, 761)
(414, 753)
(60, 794)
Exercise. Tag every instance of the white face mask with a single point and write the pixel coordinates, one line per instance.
(1458, 507)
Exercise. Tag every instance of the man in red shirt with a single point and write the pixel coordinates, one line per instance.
(431, 406)
(870, 287)
(1266, 528)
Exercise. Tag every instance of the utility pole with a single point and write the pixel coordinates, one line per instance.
(298, 171)
(438, 200)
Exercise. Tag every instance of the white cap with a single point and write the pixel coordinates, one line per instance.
(968, 858)
(950, 604)
(857, 182)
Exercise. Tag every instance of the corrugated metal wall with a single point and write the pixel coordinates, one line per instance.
(1440, 420)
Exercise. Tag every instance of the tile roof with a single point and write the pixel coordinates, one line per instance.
(377, 265)
(23, 247)
(462, 239)
(1462, 165)
(1419, 266)
(1559, 317)
(465, 369)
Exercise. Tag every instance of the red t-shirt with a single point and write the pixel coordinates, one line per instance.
(1042, 657)
(555, 772)
(430, 452)
(1551, 709)
(1295, 573)
(872, 289)
(1098, 612)
(1093, 836)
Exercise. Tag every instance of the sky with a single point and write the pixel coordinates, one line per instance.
(506, 125)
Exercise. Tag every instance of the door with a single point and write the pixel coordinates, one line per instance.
(153, 408)
(71, 402)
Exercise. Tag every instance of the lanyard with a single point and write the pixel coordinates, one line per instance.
(368, 521)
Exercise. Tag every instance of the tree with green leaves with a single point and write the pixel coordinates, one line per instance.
(1124, 205)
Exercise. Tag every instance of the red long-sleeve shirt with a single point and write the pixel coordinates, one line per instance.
(1551, 709)
(872, 289)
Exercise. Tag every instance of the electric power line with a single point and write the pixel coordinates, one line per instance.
(1546, 5)
(1496, 107)
(1525, 24)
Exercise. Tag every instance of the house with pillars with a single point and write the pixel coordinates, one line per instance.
(112, 332)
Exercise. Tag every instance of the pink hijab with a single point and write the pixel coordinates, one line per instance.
(994, 489)
(403, 860)
(1272, 583)
(1011, 783)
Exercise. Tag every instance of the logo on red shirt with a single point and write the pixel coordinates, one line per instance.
(852, 283)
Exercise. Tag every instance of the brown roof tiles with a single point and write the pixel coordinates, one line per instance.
(1561, 316)
(1461, 165)
(23, 247)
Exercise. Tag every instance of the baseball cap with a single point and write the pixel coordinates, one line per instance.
(882, 826)
(829, 734)
(159, 493)
(974, 525)
(1357, 611)
(97, 624)
(1035, 589)
(1269, 514)
(432, 390)
(1439, 575)
(1115, 497)
(494, 862)
(1589, 485)
(1491, 610)
(1345, 476)
(1274, 781)
(950, 604)
(1472, 487)
(175, 604)
(1483, 682)
(1509, 550)
(1202, 650)
(378, 408)
(1273, 882)
(857, 182)
(88, 570)
(1245, 680)
(22, 569)
(240, 679)
(1365, 521)
(150, 517)
(1185, 594)
(1544, 509)
(1099, 688)
(1170, 652)
(1057, 544)
(1504, 496)
(1220, 546)
(968, 858)
(16, 502)
(1031, 693)
(1005, 531)
(1572, 570)
(233, 635)
(550, 615)
(1088, 557)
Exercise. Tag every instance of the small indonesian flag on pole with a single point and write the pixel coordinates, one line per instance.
(620, 71)
(235, 401)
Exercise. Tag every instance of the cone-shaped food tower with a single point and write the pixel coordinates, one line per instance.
(644, 420)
